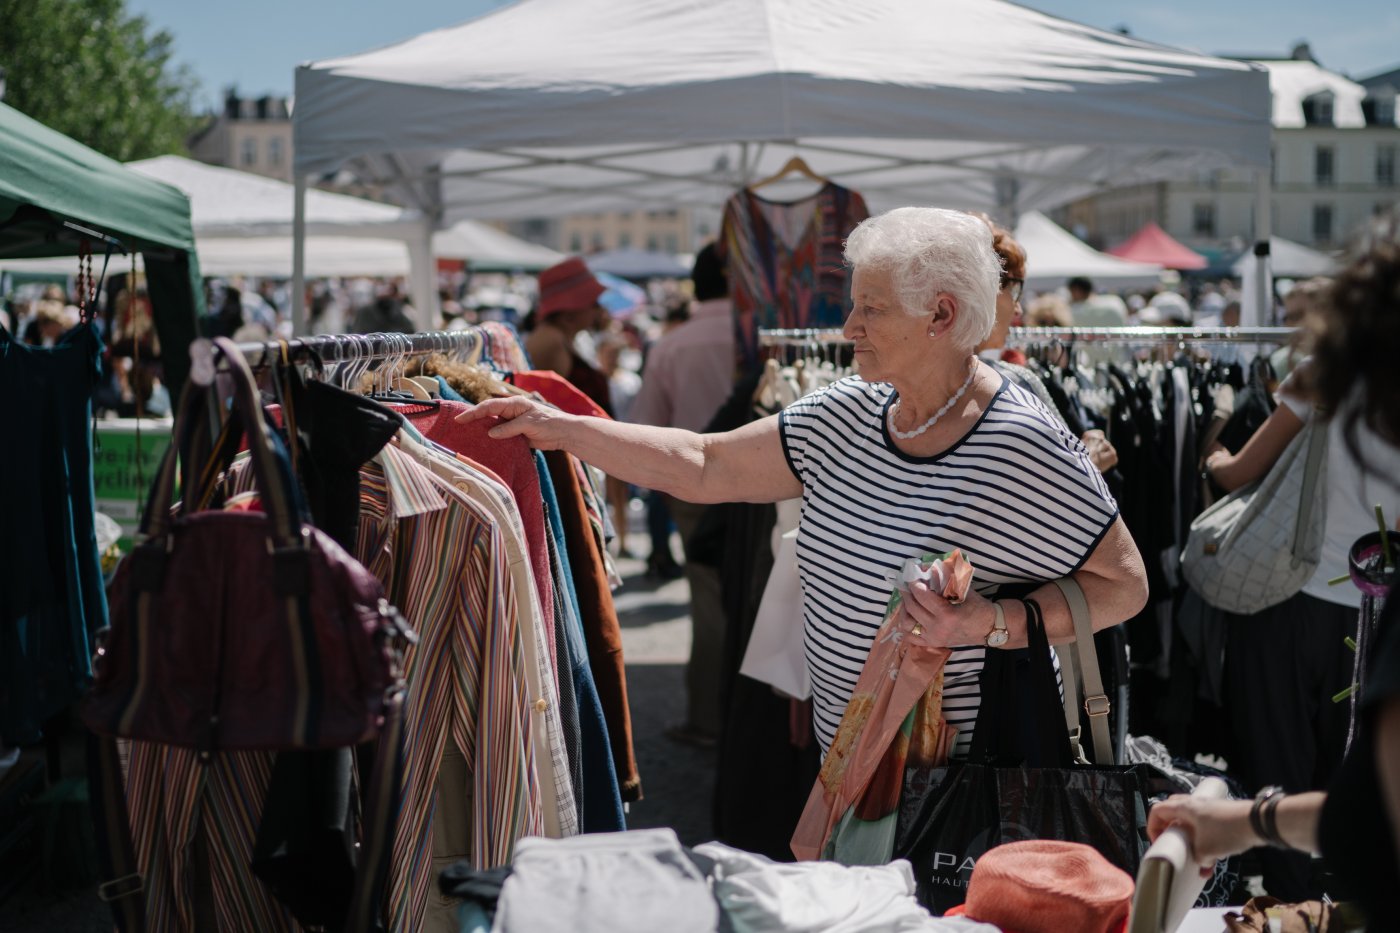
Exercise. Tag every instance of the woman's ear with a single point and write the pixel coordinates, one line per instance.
(945, 311)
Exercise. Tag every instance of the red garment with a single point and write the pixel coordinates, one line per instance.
(513, 461)
(1015, 357)
(557, 391)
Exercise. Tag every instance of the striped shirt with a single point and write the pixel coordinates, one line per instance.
(1017, 494)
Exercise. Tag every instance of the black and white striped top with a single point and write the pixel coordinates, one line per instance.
(1018, 494)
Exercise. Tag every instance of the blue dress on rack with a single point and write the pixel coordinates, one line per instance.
(51, 586)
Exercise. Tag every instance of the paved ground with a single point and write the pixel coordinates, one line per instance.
(677, 780)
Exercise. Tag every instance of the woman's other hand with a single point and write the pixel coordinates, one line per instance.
(543, 427)
(1101, 453)
(1213, 828)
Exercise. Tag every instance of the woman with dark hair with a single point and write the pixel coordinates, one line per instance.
(1352, 376)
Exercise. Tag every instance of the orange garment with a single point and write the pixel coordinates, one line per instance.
(864, 768)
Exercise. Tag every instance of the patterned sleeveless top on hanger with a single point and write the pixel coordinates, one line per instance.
(784, 258)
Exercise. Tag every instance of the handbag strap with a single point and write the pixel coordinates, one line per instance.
(1086, 664)
(125, 890)
(1317, 447)
(275, 498)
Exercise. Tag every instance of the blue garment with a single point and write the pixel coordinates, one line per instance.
(602, 800)
(51, 587)
(448, 393)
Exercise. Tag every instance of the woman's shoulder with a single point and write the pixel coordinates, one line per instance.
(1018, 409)
(847, 392)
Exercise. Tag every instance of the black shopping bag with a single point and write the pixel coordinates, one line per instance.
(971, 808)
(1020, 782)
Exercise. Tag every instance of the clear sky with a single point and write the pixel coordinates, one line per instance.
(256, 44)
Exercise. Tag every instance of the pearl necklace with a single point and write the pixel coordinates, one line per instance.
(908, 435)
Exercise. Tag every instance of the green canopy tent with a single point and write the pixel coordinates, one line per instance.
(47, 179)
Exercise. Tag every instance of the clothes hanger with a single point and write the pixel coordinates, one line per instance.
(797, 165)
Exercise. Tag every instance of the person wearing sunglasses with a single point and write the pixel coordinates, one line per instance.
(993, 350)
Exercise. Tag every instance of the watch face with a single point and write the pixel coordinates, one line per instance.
(997, 638)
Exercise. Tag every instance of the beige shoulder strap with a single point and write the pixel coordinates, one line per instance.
(1096, 702)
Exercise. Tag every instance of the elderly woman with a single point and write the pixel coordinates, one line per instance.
(928, 449)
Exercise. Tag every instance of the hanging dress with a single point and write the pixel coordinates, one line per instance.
(785, 261)
(51, 587)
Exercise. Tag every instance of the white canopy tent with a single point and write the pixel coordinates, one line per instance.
(1053, 255)
(243, 226)
(1290, 259)
(555, 106)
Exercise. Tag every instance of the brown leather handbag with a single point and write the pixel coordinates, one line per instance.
(240, 631)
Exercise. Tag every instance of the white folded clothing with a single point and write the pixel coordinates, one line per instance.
(633, 882)
(763, 896)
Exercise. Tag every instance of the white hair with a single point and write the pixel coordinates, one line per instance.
(927, 250)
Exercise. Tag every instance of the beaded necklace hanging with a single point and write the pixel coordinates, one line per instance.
(908, 435)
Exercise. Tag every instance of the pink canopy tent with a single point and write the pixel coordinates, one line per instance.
(1153, 244)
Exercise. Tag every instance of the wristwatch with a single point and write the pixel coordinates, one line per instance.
(998, 636)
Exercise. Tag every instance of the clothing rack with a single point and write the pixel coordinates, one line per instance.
(1021, 336)
(342, 348)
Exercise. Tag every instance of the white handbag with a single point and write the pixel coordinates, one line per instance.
(775, 654)
(1259, 545)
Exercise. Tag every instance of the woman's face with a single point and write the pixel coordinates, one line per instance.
(1008, 314)
(889, 342)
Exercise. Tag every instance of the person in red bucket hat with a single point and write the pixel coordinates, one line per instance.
(568, 304)
(1045, 886)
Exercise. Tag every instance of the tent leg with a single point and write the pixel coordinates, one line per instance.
(299, 322)
(423, 278)
(1263, 223)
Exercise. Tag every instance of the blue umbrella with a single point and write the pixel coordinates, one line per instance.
(622, 297)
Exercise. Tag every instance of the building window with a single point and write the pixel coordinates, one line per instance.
(672, 244)
(596, 243)
(653, 244)
(274, 152)
(1317, 110)
(1322, 166)
(1203, 219)
(576, 242)
(624, 240)
(248, 152)
(1385, 166)
(1379, 109)
(1322, 224)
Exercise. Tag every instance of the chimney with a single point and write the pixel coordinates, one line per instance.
(1302, 52)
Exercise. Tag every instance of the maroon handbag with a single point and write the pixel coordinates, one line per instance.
(242, 631)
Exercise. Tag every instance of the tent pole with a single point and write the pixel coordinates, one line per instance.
(1263, 223)
(299, 322)
(422, 272)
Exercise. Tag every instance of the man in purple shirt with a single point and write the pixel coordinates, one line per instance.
(689, 374)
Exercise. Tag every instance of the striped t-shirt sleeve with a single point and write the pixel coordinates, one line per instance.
(798, 425)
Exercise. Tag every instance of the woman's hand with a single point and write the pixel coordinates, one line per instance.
(1102, 454)
(944, 624)
(545, 428)
(1213, 828)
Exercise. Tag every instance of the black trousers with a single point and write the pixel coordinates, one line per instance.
(1282, 668)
